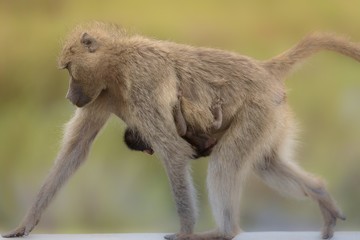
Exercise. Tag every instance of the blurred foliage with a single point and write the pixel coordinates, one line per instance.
(121, 191)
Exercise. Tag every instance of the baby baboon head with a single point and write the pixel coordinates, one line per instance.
(84, 56)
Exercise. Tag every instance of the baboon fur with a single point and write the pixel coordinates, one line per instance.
(202, 143)
(136, 78)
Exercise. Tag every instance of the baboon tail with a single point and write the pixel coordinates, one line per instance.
(282, 64)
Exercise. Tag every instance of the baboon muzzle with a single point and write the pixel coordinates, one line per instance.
(76, 95)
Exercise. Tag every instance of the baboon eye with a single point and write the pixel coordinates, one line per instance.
(67, 66)
(87, 42)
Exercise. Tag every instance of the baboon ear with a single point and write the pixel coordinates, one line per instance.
(89, 42)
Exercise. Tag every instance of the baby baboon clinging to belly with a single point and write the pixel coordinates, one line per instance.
(202, 142)
(137, 78)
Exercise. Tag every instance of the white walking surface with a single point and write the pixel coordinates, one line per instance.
(160, 236)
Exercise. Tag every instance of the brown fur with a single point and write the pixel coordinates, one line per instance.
(137, 79)
(201, 142)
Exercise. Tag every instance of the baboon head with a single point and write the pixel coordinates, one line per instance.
(84, 56)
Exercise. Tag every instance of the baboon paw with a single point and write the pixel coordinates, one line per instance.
(23, 230)
(329, 225)
(19, 232)
(330, 222)
(327, 232)
(177, 236)
(201, 236)
(170, 236)
(330, 214)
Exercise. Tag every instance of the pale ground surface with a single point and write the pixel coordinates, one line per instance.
(159, 236)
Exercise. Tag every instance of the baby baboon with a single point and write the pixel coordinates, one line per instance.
(134, 141)
(137, 78)
(201, 142)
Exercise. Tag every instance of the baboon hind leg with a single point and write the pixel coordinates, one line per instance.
(287, 177)
(225, 173)
(224, 187)
(228, 166)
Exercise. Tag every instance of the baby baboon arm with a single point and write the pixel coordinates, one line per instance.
(179, 118)
(79, 134)
(218, 116)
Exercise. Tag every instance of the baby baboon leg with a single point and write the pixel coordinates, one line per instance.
(287, 177)
(217, 112)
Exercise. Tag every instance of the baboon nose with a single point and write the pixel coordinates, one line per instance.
(73, 98)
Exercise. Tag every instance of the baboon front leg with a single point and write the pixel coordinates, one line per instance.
(289, 178)
(185, 198)
(78, 136)
(158, 128)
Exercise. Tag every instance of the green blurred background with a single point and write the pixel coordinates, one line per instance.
(122, 191)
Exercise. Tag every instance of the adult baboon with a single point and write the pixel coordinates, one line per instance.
(137, 78)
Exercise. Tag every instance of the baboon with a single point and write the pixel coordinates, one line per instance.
(201, 142)
(135, 142)
(136, 78)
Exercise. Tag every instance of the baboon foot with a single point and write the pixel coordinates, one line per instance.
(23, 230)
(330, 213)
(213, 235)
(18, 232)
